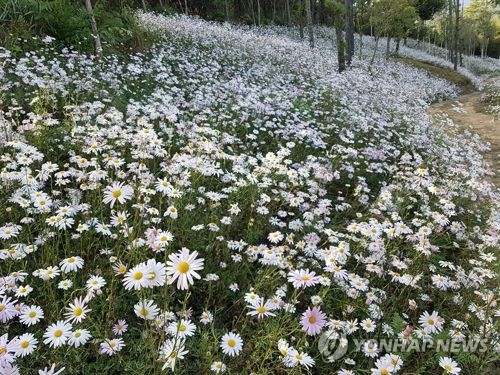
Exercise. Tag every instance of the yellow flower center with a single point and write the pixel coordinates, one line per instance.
(182, 328)
(32, 314)
(58, 333)
(312, 319)
(384, 371)
(183, 267)
(117, 194)
(138, 275)
(261, 309)
(78, 311)
(3, 350)
(2, 308)
(231, 343)
(25, 344)
(448, 367)
(431, 322)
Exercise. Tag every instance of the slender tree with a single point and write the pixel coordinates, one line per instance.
(349, 22)
(300, 17)
(321, 12)
(339, 35)
(449, 31)
(392, 19)
(457, 28)
(226, 9)
(288, 13)
(310, 29)
(93, 24)
(336, 9)
(258, 12)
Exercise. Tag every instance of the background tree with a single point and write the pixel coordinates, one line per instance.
(310, 28)
(336, 9)
(482, 13)
(349, 22)
(392, 19)
(457, 29)
(428, 8)
(95, 31)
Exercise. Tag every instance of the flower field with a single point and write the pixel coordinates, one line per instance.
(225, 202)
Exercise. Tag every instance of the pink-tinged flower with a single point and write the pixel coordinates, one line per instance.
(303, 278)
(312, 321)
(408, 330)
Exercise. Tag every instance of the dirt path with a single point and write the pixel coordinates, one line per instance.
(466, 111)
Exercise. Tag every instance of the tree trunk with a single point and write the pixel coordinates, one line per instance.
(360, 33)
(457, 18)
(360, 45)
(144, 5)
(374, 50)
(450, 28)
(398, 40)
(226, 7)
(250, 2)
(301, 19)
(310, 30)
(258, 12)
(288, 13)
(93, 24)
(339, 34)
(321, 12)
(349, 22)
(388, 47)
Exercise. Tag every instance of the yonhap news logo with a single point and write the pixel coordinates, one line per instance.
(334, 347)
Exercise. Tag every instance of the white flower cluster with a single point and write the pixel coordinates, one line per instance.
(196, 206)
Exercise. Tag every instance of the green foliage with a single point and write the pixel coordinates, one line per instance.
(482, 14)
(398, 323)
(68, 22)
(427, 8)
(393, 17)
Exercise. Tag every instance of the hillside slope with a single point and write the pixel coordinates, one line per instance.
(225, 201)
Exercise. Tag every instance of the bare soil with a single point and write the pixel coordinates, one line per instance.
(467, 111)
